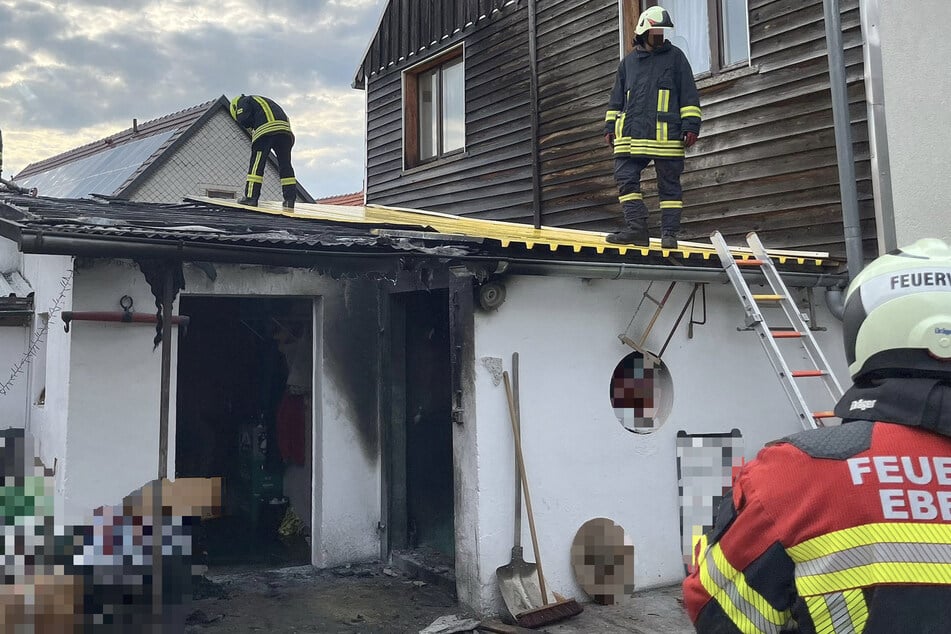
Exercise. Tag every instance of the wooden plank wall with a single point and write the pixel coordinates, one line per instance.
(766, 160)
(578, 52)
(494, 178)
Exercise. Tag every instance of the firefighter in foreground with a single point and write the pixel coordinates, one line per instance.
(848, 528)
(270, 128)
(653, 114)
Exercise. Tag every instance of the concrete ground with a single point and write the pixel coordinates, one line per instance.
(372, 599)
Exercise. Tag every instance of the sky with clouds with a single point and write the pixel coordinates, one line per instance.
(74, 71)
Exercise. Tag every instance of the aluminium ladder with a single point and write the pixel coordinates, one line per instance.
(768, 336)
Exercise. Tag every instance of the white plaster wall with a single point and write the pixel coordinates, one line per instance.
(581, 463)
(917, 88)
(215, 157)
(47, 422)
(13, 344)
(10, 258)
(13, 402)
(114, 392)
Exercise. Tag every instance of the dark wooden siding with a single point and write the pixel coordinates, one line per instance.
(578, 52)
(766, 160)
(494, 177)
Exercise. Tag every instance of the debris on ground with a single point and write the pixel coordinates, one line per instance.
(451, 624)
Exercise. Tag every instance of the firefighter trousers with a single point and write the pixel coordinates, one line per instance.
(627, 174)
(281, 143)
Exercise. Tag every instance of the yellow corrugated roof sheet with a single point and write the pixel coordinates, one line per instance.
(506, 233)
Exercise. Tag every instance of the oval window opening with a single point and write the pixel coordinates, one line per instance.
(641, 393)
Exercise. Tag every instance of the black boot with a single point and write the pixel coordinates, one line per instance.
(669, 228)
(636, 233)
(252, 202)
(289, 203)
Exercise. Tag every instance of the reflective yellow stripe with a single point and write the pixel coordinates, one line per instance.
(268, 114)
(819, 612)
(660, 108)
(289, 181)
(858, 609)
(254, 178)
(870, 534)
(668, 148)
(875, 574)
(666, 104)
(690, 111)
(268, 128)
(671, 204)
(748, 609)
(873, 554)
(633, 196)
(619, 125)
(612, 115)
(257, 163)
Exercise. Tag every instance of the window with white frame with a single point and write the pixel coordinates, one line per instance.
(713, 34)
(434, 109)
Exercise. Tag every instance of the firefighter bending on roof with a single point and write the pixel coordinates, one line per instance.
(653, 114)
(270, 128)
(847, 529)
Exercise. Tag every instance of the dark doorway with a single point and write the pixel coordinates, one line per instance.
(244, 415)
(421, 488)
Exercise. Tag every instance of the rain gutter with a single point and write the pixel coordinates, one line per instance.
(624, 271)
(848, 188)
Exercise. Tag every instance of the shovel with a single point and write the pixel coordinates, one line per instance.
(518, 579)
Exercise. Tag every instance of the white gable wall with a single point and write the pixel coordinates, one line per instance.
(215, 157)
(581, 462)
(916, 106)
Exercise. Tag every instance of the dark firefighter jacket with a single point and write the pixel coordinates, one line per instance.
(262, 116)
(840, 529)
(654, 101)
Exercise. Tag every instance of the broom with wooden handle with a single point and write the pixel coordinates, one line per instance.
(561, 608)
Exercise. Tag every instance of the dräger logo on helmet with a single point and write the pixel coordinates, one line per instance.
(942, 331)
(862, 404)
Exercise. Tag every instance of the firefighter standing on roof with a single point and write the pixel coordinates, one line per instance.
(847, 529)
(653, 114)
(270, 128)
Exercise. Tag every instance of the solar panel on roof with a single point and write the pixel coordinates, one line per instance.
(103, 173)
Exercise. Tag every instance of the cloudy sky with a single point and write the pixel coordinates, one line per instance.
(74, 71)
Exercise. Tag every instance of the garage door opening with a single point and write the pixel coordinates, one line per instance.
(244, 414)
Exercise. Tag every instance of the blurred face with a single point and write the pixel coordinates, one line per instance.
(655, 37)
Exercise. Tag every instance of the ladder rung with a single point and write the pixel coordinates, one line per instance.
(799, 374)
(785, 334)
(769, 298)
(823, 414)
(749, 262)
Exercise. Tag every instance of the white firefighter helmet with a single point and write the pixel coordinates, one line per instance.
(655, 17)
(897, 319)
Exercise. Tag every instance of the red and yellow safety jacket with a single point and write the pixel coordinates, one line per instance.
(838, 530)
